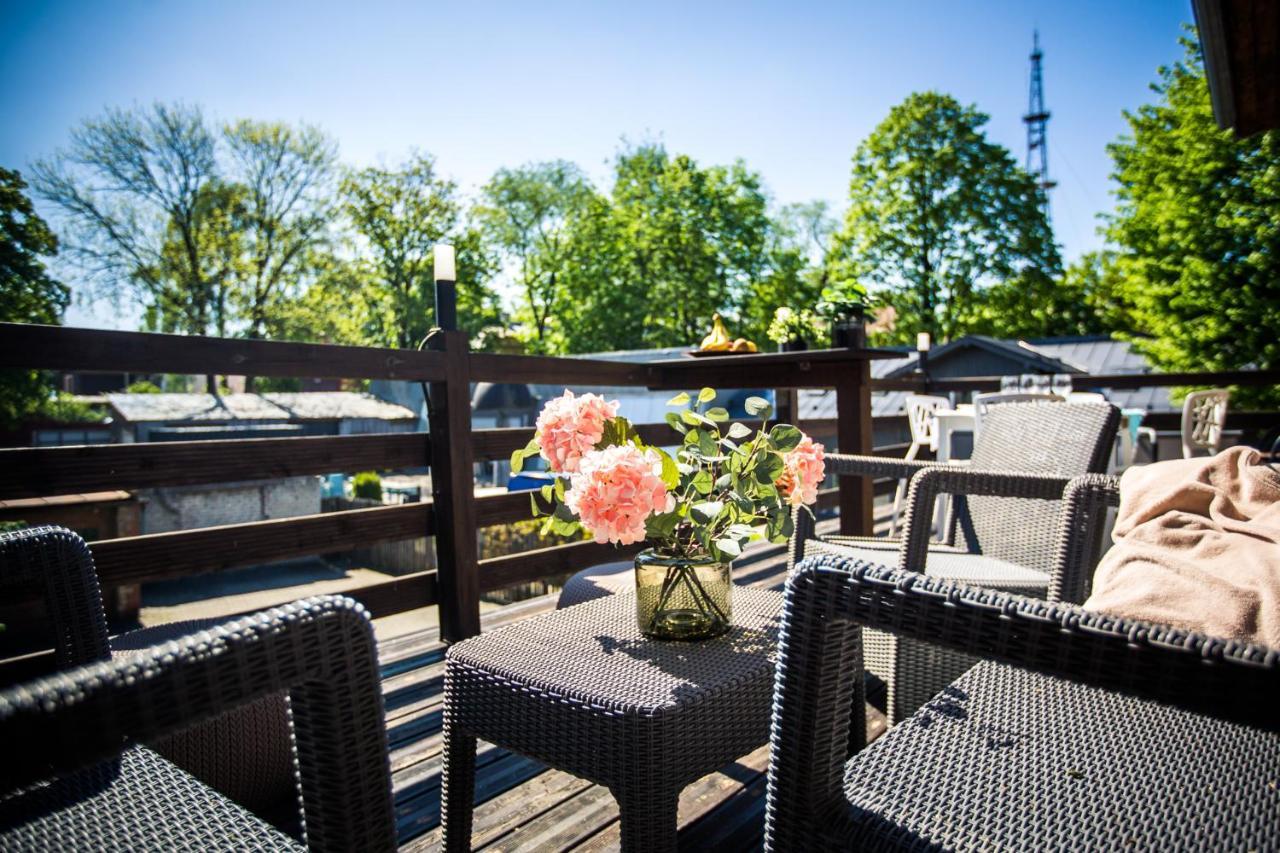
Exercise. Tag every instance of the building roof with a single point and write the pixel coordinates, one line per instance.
(273, 406)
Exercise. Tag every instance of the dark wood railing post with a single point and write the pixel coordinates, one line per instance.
(453, 489)
(853, 435)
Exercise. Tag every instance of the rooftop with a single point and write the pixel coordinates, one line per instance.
(270, 406)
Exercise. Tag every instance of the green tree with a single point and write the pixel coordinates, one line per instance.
(136, 191)
(398, 215)
(939, 214)
(27, 293)
(796, 271)
(525, 215)
(673, 244)
(1196, 233)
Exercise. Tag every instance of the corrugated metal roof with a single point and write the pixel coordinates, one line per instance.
(275, 406)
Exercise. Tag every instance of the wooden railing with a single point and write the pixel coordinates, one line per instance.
(454, 512)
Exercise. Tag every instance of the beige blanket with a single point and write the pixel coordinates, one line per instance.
(1197, 546)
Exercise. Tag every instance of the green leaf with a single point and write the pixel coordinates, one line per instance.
(517, 461)
(680, 399)
(707, 511)
(692, 418)
(785, 437)
(729, 547)
(738, 430)
(547, 491)
(724, 481)
(706, 395)
(617, 431)
(706, 444)
(533, 503)
(662, 525)
(702, 482)
(758, 406)
(673, 420)
(558, 487)
(670, 471)
(718, 414)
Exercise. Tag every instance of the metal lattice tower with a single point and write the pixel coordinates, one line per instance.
(1037, 120)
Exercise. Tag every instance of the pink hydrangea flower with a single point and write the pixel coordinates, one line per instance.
(804, 472)
(569, 427)
(615, 489)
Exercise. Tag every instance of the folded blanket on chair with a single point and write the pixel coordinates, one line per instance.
(1197, 546)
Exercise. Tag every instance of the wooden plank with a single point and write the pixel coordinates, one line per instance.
(853, 435)
(41, 471)
(526, 566)
(25, 345)
(159, 556)
(453, 488)
(540, 369)
(810, 369)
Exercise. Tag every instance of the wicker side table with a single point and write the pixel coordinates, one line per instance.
(582, 690)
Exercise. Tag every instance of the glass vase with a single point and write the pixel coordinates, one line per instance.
(682, 598)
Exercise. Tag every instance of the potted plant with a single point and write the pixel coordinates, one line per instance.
(845, 304)
(793, 330)
(696, 509)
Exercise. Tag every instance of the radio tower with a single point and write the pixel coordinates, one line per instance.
(1037, 120)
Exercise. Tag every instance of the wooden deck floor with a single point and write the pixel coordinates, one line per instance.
(521, 804)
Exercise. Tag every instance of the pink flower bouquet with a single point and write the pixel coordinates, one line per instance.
(697, 507)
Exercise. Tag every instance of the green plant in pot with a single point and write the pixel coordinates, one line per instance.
(695, 508)
(794, 330)
(845, 305)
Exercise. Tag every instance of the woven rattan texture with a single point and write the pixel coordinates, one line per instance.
(1013, 760)
(321, 650)
(582, 690)
(246, 753)
(139, 801)
(1009, 760)
(914, 671)
(57, 561)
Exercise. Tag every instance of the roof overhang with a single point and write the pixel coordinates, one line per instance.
(1241, 44)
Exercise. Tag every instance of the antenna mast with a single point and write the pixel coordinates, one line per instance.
(1037, 120)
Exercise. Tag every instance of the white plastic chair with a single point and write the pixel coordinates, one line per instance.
(982, 403)
(924, 433)
(1204, 416)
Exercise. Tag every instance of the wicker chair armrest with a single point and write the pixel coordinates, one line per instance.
(58, 563)
(847, 465)
(945, 479)
(1084, 512)
(321, 650)
(1229, 679)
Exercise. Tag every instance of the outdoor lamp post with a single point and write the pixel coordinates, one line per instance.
(446, 287)
(923, 343)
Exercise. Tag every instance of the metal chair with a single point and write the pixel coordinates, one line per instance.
(924, 433)
(1204, 416)
(1022, 524)
(75, 776)
(1076, 733)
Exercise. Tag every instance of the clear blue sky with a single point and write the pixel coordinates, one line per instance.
(790, 87)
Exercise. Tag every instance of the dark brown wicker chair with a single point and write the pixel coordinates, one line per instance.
(245, 753)
(1022, 524)
(1080, 732)
(75, 778)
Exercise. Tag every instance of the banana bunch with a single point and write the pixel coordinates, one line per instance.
(720, 341)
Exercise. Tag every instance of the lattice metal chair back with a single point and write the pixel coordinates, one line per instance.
(924, 433)
(1204, 416)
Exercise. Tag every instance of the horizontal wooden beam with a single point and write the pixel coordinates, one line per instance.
(546, 370)
(813, 369)
(407, 592)
(32, 346)
(161, 556)
(42, 471)
(497, 572)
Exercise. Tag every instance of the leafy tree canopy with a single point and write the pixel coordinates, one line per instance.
(939, 215)
(1195, 275)
(27, 293)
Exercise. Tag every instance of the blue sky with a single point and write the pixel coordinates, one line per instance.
(790, 87)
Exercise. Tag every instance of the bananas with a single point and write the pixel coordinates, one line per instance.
(719, 340)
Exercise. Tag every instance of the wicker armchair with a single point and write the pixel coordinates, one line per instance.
(1082, 731)
(75, 778)
(1026, 521)
(245, 753)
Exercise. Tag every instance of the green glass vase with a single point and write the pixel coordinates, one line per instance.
(682, 598)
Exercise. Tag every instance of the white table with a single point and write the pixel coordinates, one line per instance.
(949, 422)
